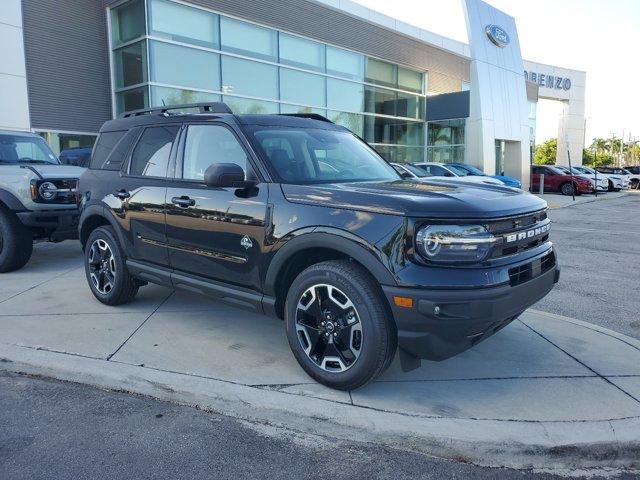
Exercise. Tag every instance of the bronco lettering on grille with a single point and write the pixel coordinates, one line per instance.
(534, 232)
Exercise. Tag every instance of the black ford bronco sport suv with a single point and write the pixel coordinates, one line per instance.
(293, 216)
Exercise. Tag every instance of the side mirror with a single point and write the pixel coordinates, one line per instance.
(226, 175)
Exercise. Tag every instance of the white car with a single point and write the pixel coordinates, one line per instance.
(602, 182)
(627, 176)
(444, 170)
(634, 179)
(615, 182)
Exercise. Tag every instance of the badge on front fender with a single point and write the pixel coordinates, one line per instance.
(246, 242)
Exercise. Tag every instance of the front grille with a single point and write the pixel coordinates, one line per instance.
(519, 234)
(531, 270)
(516, 223)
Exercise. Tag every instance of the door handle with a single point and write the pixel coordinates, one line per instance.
(122, 194)
(183, 201)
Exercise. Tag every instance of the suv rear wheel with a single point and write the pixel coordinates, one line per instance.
(338, 325)
(16, 243)
(106, 269)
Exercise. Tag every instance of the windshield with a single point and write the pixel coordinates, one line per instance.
(461, 172)
(417, 171)
(311, 156)
(584, 170)
(575, 171)
(473, 170)
(556, 170)
(16, 149)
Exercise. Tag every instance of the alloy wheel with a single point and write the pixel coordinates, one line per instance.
(329, 328)
(567, 189)
(102, 266)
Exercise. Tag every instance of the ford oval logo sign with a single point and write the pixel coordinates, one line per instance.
(497, 35)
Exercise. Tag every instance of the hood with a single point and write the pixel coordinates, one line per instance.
(57, 171)
(428, 198)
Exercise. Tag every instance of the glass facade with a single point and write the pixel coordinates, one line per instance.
(63, 141)
(445, 141)
(168, 53)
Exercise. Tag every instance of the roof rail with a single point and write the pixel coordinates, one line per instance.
(312, 116)
(211, 107)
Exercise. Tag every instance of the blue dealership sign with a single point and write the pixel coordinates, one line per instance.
(497, 35)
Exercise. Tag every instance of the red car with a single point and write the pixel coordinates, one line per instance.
(557, 181)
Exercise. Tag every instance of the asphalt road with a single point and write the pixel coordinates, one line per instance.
(58, 430)
(598, 247)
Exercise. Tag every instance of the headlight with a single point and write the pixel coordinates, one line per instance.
(454, 243)
(47, 190)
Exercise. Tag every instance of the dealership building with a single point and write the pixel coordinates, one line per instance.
(67, 66)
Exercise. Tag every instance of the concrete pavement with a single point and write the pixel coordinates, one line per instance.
(546, 392)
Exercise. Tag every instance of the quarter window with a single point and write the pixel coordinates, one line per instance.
(105, 144)
(209, 144)
(151, 155)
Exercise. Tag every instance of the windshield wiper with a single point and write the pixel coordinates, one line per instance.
(39, 162)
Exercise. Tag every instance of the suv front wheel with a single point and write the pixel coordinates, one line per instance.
(16, 242)
(106, 269)
(338, 325)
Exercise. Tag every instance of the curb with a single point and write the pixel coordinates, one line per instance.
(554, 446)
(590, 200)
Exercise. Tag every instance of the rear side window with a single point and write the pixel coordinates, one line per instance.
(104, 145)
(151, 156)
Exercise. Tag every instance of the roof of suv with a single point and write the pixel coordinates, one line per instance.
(281, 120)
(19, 134)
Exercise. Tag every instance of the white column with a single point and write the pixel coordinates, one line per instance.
(498, 100)
(14, 99)
(571, 129)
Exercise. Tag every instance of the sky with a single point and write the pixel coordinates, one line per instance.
(599, 37)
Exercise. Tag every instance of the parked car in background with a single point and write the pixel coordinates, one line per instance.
(473, 171)
(556, 180)
(634, 177)
(618, 177)
(436, 169)
(409, 171)
(79, 157)
(599, 182)
(37, 197)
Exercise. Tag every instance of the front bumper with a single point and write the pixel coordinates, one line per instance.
(60, 224)
(585, 188)
(442, 323)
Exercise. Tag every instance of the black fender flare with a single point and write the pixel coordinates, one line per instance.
(335, 239)
(12, 202)
(99, 211)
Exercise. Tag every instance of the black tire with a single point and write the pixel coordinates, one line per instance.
(635, 184)
(378, 338)
(16, 242)
(567, 188)
(611, 187)
(123, 287)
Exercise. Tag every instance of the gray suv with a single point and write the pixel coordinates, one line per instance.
(37, 197)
